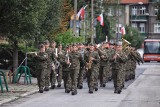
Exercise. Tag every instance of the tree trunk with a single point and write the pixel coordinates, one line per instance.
(15, 57)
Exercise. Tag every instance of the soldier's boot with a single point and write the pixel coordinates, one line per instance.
(118, 91)
(110, 79)
(101, 85)
(90, 91)
(80, 87)
(53, 87)
(59, 85)
(104, 85)
(96, 89)
(46, 89)
(74, 92)
(40, 90)
(67, 91)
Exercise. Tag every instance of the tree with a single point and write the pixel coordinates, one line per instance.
(133, 36)
(20, 20)
(102, 31)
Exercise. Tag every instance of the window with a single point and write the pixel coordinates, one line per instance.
(118, 26)
(156, 11)
(110, 11)
(142, 10)
(134, 10)
(157, 28)
(134, 25)
(142, 27)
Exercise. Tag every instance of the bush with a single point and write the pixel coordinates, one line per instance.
(68, 38)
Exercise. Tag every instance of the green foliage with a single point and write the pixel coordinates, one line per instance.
(134, 37)
(67, 38)
(103, 31)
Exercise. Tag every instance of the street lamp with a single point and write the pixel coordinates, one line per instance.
(92, 23)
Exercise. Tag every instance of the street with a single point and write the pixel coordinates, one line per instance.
(105, 97)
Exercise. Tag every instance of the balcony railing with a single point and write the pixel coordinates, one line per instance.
(138, 18)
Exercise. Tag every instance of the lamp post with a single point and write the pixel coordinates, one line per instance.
(92, 22)
(75, 14)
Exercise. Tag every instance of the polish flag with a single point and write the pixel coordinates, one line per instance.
(123, 31)
(81, 12)
(100, 19)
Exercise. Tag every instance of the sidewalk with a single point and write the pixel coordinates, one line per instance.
(145, 90)
(18, 90)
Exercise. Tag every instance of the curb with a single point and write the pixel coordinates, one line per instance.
(15, 98)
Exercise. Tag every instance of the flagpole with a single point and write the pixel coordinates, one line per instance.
(75, 14)
(92, 23)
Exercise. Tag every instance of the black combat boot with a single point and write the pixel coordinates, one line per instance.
(59, 85)
(80, 87)
(46, 89)
(104, 85)
(40, 90)
(110, 79)
(74, 92)
(90, 91)
(53, 87)
(96, 89)
(119, 91)
(67, 91)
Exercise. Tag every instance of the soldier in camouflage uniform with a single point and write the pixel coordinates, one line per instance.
(65, 63)
(51, 73)
(105, 69)
(136, 58)
(60, 75)
(92, 65)
(118, 61)
(82, 67)
(41, 58)
(74, 58)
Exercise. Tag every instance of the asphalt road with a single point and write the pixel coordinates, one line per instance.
(104, 97)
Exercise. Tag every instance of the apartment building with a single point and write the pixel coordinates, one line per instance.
(141, 14)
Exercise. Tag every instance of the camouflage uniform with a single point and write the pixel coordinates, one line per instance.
(41, 69)
(82, 70)
(51, 73)
(92, 74)
(136, 58)
(65, 71)
(60, 74)
(104, 72)
(118, 71)
(74, 70)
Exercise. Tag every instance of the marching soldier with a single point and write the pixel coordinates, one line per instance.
(74, 60)
(60, 74)
(51, 72)
(92, 66)
(82, 67)
(65, 63)
(118, 62)
(104, 72)
(41, 58)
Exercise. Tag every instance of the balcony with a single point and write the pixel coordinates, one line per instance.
(140, 18)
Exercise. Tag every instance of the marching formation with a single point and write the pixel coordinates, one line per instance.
(97, 63)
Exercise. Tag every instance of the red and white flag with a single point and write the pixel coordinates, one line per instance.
(123, 31)
(81, 12)
(100, 19)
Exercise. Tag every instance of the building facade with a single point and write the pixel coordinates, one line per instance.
(141, 14)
